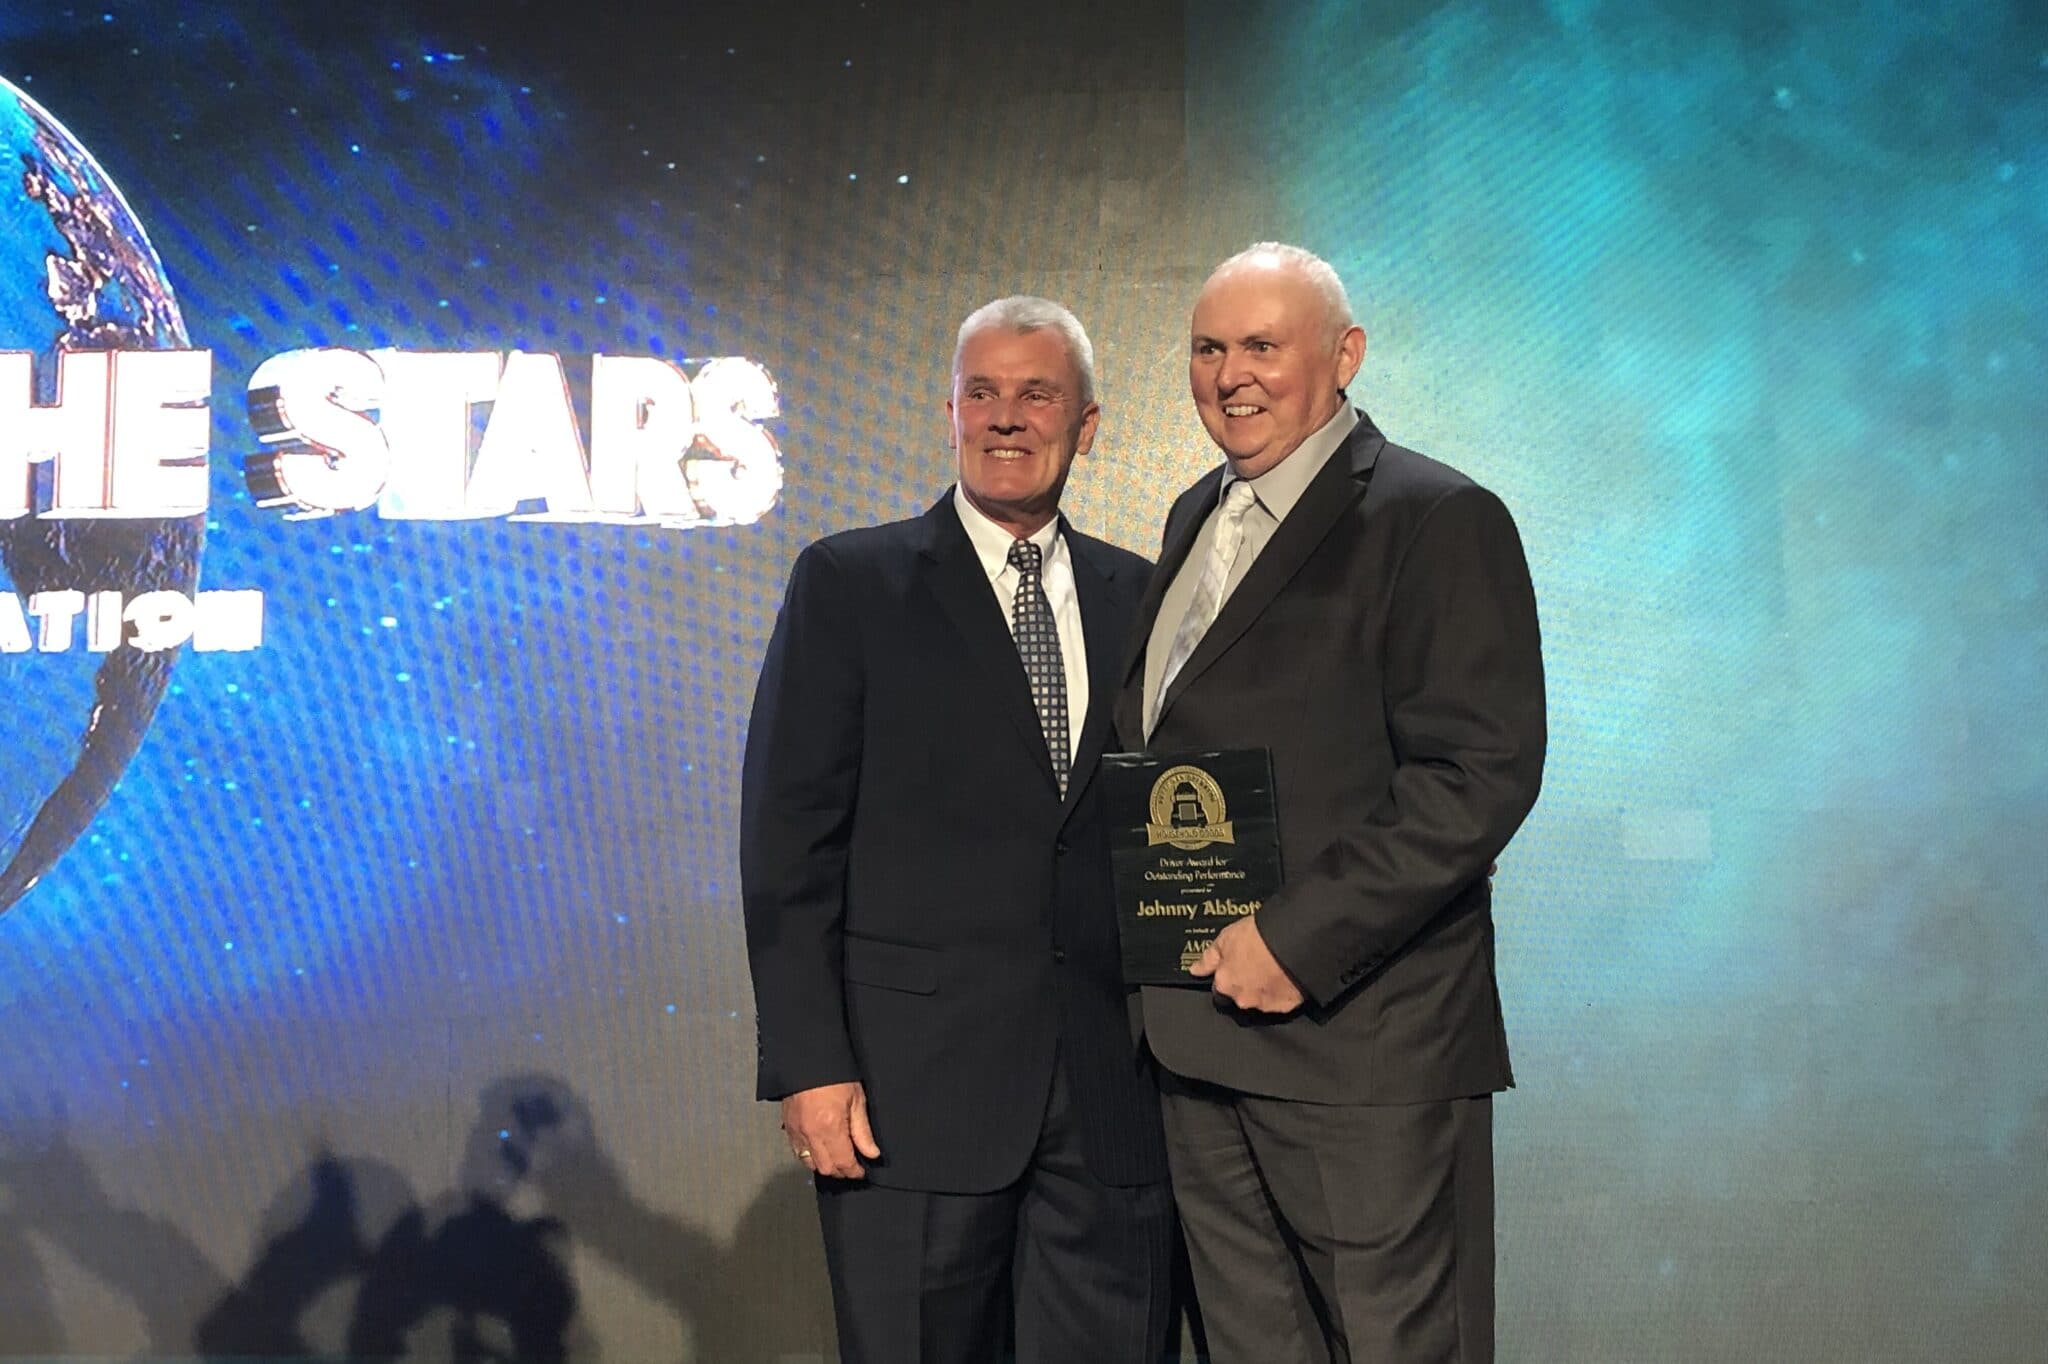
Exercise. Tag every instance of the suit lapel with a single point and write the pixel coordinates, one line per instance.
(1095, 586)
(1337, 486)
(1183, 522)
(956, 578)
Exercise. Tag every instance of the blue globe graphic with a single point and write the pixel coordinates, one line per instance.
(77, 272)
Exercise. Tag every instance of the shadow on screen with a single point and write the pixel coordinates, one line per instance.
(351, 1255)
(48, 1188)
(487, 1265)
(25, 1305)
(492, 1284)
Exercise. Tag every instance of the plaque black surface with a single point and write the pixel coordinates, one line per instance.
(1194, 845)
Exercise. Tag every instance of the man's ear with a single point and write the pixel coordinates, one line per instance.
(1091, 417)
(1350, 354)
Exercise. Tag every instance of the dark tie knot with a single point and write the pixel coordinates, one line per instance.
(1025, 556)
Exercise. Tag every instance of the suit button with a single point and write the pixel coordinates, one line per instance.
(1060, 847)
(1059, 956)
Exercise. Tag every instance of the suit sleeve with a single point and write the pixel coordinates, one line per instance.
(1463, 689)
(797, 795)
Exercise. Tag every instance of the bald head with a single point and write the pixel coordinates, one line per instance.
(1296, 262)
(1271, 347)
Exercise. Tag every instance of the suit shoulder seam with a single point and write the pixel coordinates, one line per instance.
(1422, 521)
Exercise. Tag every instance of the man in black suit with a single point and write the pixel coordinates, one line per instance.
(1365, 614)
(925, 874)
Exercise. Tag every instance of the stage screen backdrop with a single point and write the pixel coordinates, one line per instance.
(371, 968)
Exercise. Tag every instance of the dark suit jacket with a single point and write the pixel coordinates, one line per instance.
(925, 914)
(1384, 647)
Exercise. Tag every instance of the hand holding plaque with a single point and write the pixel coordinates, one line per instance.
(1194, 847)
(1240, 968)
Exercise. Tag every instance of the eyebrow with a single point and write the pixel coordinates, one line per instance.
(1035, 381)
(1198, 338)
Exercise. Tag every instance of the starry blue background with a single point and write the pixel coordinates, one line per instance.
(1738, 306)
(1741, 309)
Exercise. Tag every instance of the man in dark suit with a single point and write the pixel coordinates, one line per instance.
(1365, 614)
(925, 874)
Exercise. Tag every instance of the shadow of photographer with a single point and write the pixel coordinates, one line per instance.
(353, 1260)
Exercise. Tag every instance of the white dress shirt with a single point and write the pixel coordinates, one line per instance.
(1056, 570)
(1274, 494)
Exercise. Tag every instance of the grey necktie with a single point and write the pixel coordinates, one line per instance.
(1038, 644)
(1209, 593)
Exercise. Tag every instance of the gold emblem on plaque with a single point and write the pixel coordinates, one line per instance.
(1187, 811)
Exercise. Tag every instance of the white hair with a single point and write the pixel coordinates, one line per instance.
(1317, 271)
(1022, 313)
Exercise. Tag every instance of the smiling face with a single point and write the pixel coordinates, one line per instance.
(1017, 421)
(1266, 361)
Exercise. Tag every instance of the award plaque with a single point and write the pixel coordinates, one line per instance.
(1194, 846)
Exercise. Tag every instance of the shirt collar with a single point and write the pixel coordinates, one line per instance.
(1281, 486)
(992, 543)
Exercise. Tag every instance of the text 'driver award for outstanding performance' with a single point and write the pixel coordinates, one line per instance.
(1195, 846)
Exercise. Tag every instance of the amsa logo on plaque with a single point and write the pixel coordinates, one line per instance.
(1187, 811)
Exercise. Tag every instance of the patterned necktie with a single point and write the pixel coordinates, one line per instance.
(1208, 598)
(1038, 644)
